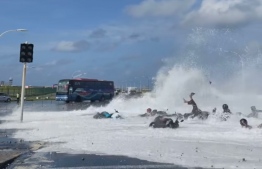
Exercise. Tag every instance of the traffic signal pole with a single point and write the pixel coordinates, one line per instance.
(23, 92)
(26, 56)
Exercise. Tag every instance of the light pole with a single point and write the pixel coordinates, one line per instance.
(24, 70)
(13, 30)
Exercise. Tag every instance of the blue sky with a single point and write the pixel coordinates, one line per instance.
(122, 40)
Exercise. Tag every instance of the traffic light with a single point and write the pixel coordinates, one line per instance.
(26, 53)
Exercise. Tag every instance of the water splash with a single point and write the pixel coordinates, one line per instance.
(216, 65)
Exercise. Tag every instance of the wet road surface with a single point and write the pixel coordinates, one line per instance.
(16, 153)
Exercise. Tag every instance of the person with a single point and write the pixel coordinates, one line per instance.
(226, 109)
(244, 123)
(102, 115)
(116, 115)
(226, 112)
(179, 116)
(105, 115)
(254, 112)
(160, 113)
(17, 98)
(164, 122)
(195, 111)
(148, 113)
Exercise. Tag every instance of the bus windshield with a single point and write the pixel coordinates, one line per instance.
(62, 86)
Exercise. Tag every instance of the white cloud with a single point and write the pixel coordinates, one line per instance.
(69, 46)
(219, 13)
(225, 13)
(129, 34)
(159, 8)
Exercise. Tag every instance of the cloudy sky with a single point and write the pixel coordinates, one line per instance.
(122, 40)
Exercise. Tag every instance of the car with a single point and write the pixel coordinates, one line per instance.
(5, 97)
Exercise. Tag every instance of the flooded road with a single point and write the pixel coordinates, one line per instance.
(27, 158)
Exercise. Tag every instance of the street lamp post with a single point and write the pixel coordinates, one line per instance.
(24, 70)
(13, 30)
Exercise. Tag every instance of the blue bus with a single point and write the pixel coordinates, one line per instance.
(78, 90)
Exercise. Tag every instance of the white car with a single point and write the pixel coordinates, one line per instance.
(4, 97)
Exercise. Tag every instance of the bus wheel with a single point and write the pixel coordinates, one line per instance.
(78, 99)
(67, 101)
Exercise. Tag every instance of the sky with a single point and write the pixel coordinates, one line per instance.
(127, 41)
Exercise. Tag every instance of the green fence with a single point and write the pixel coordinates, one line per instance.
(32, 92)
